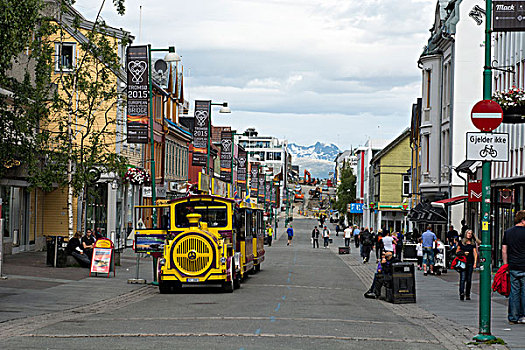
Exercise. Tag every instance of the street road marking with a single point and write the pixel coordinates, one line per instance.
(290, 286)
(236, 335)
(272, 319)
(284, 297)
(44, 279)
(258, 331)
(237, 318)
(278, 307)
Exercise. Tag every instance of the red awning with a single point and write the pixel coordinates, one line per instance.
(449, 201)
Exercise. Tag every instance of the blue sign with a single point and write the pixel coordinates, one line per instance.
(356, 208)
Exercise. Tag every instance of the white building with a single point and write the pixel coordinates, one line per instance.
(452, 67)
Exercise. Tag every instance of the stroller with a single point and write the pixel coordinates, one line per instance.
(440, 259)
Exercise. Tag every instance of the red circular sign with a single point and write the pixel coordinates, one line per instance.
(486, 115)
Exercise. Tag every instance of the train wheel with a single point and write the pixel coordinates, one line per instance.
(164, 287)
(237, 281)
(258, 267)
(227, 287)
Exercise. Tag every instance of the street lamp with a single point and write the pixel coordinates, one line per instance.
(171, 56)
(224, 109)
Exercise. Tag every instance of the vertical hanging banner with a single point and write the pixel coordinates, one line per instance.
(254, 179)
(137, 65)
(273, 198)
(261, 189)
(226, 156)
(242, 163)
(200, 132)
(268, 192)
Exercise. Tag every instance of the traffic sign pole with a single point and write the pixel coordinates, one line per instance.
(485, 248)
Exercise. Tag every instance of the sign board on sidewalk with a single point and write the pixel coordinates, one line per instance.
(474, 191)
(486, 115)
(508, 16)
(102, 260)
(488, 147)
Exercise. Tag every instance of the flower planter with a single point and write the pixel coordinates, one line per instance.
(514, 115)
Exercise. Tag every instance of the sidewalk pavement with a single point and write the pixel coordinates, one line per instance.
(439, 295)
(32, 288)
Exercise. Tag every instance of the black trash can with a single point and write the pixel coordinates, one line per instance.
(344, 250)
(403, 287)
(61, 258)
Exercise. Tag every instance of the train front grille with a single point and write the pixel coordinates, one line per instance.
(193, 255)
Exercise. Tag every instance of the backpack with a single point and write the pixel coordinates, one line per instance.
(367, 239)
(501, 282)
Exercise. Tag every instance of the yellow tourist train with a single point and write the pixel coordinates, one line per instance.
(202, 239)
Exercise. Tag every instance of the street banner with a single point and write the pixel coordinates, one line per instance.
(226, 156)
(242, 164)
(254, 179)
(273, 198)
(201, 132)
(137, 65)
(474, 191)
(261, 188)
(508, 16)
(268, 192)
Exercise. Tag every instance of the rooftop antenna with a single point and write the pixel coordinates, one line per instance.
(140, 23)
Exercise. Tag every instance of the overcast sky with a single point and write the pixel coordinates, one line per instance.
(335, 71)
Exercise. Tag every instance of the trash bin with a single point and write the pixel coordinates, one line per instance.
(52, 243)
(403, 287)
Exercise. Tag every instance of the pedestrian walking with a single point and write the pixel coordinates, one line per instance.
(356, 236)
(367, 243)
(467, 246)
(379, 244)
(451, 235)
(348, 236)
(388, 242)
(419, 254)
(315, 237)
(428, 237)
(326, 236)
(337, 229)
(399, 245)
(269, 231)
(289, 231)
(513, 253)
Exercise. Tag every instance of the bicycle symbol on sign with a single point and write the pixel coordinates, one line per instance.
(488, 150)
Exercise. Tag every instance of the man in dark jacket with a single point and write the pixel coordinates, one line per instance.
(367, 242)
(74, 248)
(315, 237)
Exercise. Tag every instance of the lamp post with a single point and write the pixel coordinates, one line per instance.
(171, 56)
(224, 109)
(485, 248)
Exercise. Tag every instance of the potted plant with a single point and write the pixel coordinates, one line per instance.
(513, 104)
(137, 176)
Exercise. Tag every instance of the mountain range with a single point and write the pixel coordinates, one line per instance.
(318, 158)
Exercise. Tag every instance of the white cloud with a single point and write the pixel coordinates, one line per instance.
(310, 70)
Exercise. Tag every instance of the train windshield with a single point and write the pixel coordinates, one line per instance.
(213, 213)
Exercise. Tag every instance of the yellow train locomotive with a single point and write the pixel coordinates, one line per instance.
(207, 240)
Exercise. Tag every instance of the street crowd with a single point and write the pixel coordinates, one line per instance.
(460, 253)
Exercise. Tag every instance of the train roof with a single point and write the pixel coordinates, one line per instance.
(202, 197)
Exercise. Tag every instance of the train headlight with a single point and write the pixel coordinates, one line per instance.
(162, 262)
(223, 260)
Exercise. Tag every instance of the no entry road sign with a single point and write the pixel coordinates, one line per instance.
(486, 115)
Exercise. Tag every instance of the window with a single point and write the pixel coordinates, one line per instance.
(269, 156)
(213, 213)
(427, 99)
(406, 185)
(64, 56)
(277, 156)
(426, 145)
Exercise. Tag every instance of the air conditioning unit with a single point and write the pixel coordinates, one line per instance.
(173, 186)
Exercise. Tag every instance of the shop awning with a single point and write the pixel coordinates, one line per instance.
(449, 201)
(426, 213)
(468, 166)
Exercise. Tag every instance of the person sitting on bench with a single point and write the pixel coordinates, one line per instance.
(383, 276)
(74, 248)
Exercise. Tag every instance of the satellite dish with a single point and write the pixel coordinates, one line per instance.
(161, 66)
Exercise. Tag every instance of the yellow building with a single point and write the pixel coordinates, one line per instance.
(32, 215)
(389, 170)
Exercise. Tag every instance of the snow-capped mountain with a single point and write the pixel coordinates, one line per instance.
(317, 151)
(318, 159)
